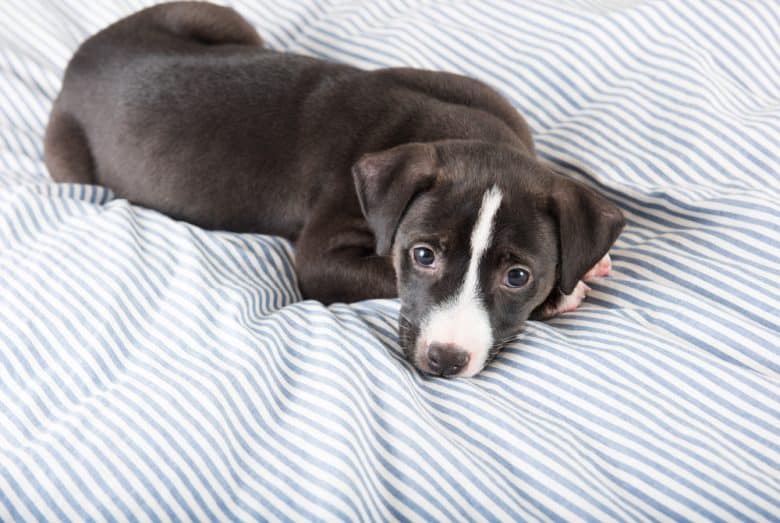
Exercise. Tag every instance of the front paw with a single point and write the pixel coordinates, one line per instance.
(558, 303)
(565, 302)
(601, 269)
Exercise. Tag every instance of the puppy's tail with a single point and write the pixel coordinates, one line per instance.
(205, 23)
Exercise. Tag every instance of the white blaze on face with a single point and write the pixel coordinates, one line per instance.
(462, 320)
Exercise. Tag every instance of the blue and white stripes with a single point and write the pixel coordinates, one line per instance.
(150, 370)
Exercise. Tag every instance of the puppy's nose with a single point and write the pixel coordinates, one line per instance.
(446, 359)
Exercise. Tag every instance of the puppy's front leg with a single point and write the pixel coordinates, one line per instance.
(340, 265)
(569, 302)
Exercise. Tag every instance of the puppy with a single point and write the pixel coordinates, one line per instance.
(395, 182)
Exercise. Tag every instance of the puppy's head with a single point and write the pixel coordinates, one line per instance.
(481, 235)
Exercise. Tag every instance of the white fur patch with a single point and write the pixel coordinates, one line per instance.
(462, 320)
(570, 302)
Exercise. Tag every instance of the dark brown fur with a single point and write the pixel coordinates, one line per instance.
(179, 108)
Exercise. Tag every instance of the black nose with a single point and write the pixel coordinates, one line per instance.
(446, 359)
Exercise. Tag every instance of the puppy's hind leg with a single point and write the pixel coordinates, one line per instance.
(206, 23)
(66, 150)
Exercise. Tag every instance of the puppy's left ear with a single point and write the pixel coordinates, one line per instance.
(588, 225)
(387, 181)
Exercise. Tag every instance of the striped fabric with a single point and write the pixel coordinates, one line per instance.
(150, 370)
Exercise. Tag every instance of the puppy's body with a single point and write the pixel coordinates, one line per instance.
(237, 137)
(179, 108)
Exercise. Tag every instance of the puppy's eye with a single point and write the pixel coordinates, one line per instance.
(516, 277)
(423, 255)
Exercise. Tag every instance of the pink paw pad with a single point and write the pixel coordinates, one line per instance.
(601, 269)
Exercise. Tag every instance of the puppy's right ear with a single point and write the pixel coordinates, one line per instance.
(387, 181)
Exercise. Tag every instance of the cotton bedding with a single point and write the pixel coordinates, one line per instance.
(151, 370)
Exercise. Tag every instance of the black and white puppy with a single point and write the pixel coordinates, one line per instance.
(395, 182)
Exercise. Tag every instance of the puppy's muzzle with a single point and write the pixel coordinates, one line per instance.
(445, 359)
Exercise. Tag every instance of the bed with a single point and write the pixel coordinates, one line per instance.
(151, 370)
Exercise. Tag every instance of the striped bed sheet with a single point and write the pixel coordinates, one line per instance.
(150, 370)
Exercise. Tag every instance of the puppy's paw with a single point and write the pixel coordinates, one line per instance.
(560, 303)
(601, 269)
(569, 302)
(566, 302)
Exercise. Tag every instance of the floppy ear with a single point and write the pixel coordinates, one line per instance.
(588, 225)
(387, 181)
